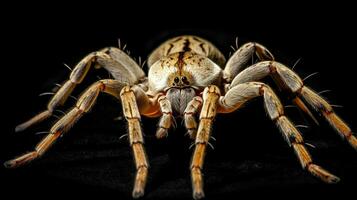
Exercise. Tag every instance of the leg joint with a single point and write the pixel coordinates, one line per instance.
(125, 90)
(272, 67)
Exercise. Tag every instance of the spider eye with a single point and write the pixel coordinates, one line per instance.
(184, 80)
(176, 79)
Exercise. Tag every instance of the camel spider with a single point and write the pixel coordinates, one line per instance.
(186, 78)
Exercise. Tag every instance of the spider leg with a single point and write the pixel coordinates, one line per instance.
(263, 69)
(289, 80)
(239, 60)
(211, 95)
(241, 93)
(120, 65)
(189, 115)
(132, 115)
(124, 60)
(166, 119)
(83, 105)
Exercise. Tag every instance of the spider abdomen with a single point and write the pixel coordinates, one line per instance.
(187, 43)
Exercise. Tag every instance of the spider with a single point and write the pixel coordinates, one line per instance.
(186, 78)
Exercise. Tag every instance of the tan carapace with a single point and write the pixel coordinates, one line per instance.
(188, 77)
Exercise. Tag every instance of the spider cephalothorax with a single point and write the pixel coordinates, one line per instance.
(188, 76)
(181, 76)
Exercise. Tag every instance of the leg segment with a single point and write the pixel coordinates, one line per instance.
(289, 80)
(321, 105)
(238, 61)
(166, 119)
(241, 93)
(84, 104)
(189, 115)
(132, 115)
(120, 65)
(122, 59)
(210, 98)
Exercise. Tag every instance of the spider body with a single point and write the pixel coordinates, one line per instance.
(182, 67)
(188, 77)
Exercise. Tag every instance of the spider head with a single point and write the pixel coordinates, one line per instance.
(180, 79)
(181, 70)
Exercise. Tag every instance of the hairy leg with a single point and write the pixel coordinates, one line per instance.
(239, 60)
(241, 93)
(290, 81)
(132, 115)
(166, 119)
(84, 104)
(189, 115)
(120, 65)
(210, 97)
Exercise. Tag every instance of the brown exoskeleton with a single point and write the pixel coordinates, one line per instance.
(186, 77)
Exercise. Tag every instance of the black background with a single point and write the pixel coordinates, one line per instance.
(250, 157)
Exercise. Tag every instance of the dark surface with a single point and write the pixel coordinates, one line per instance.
(250, 157)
